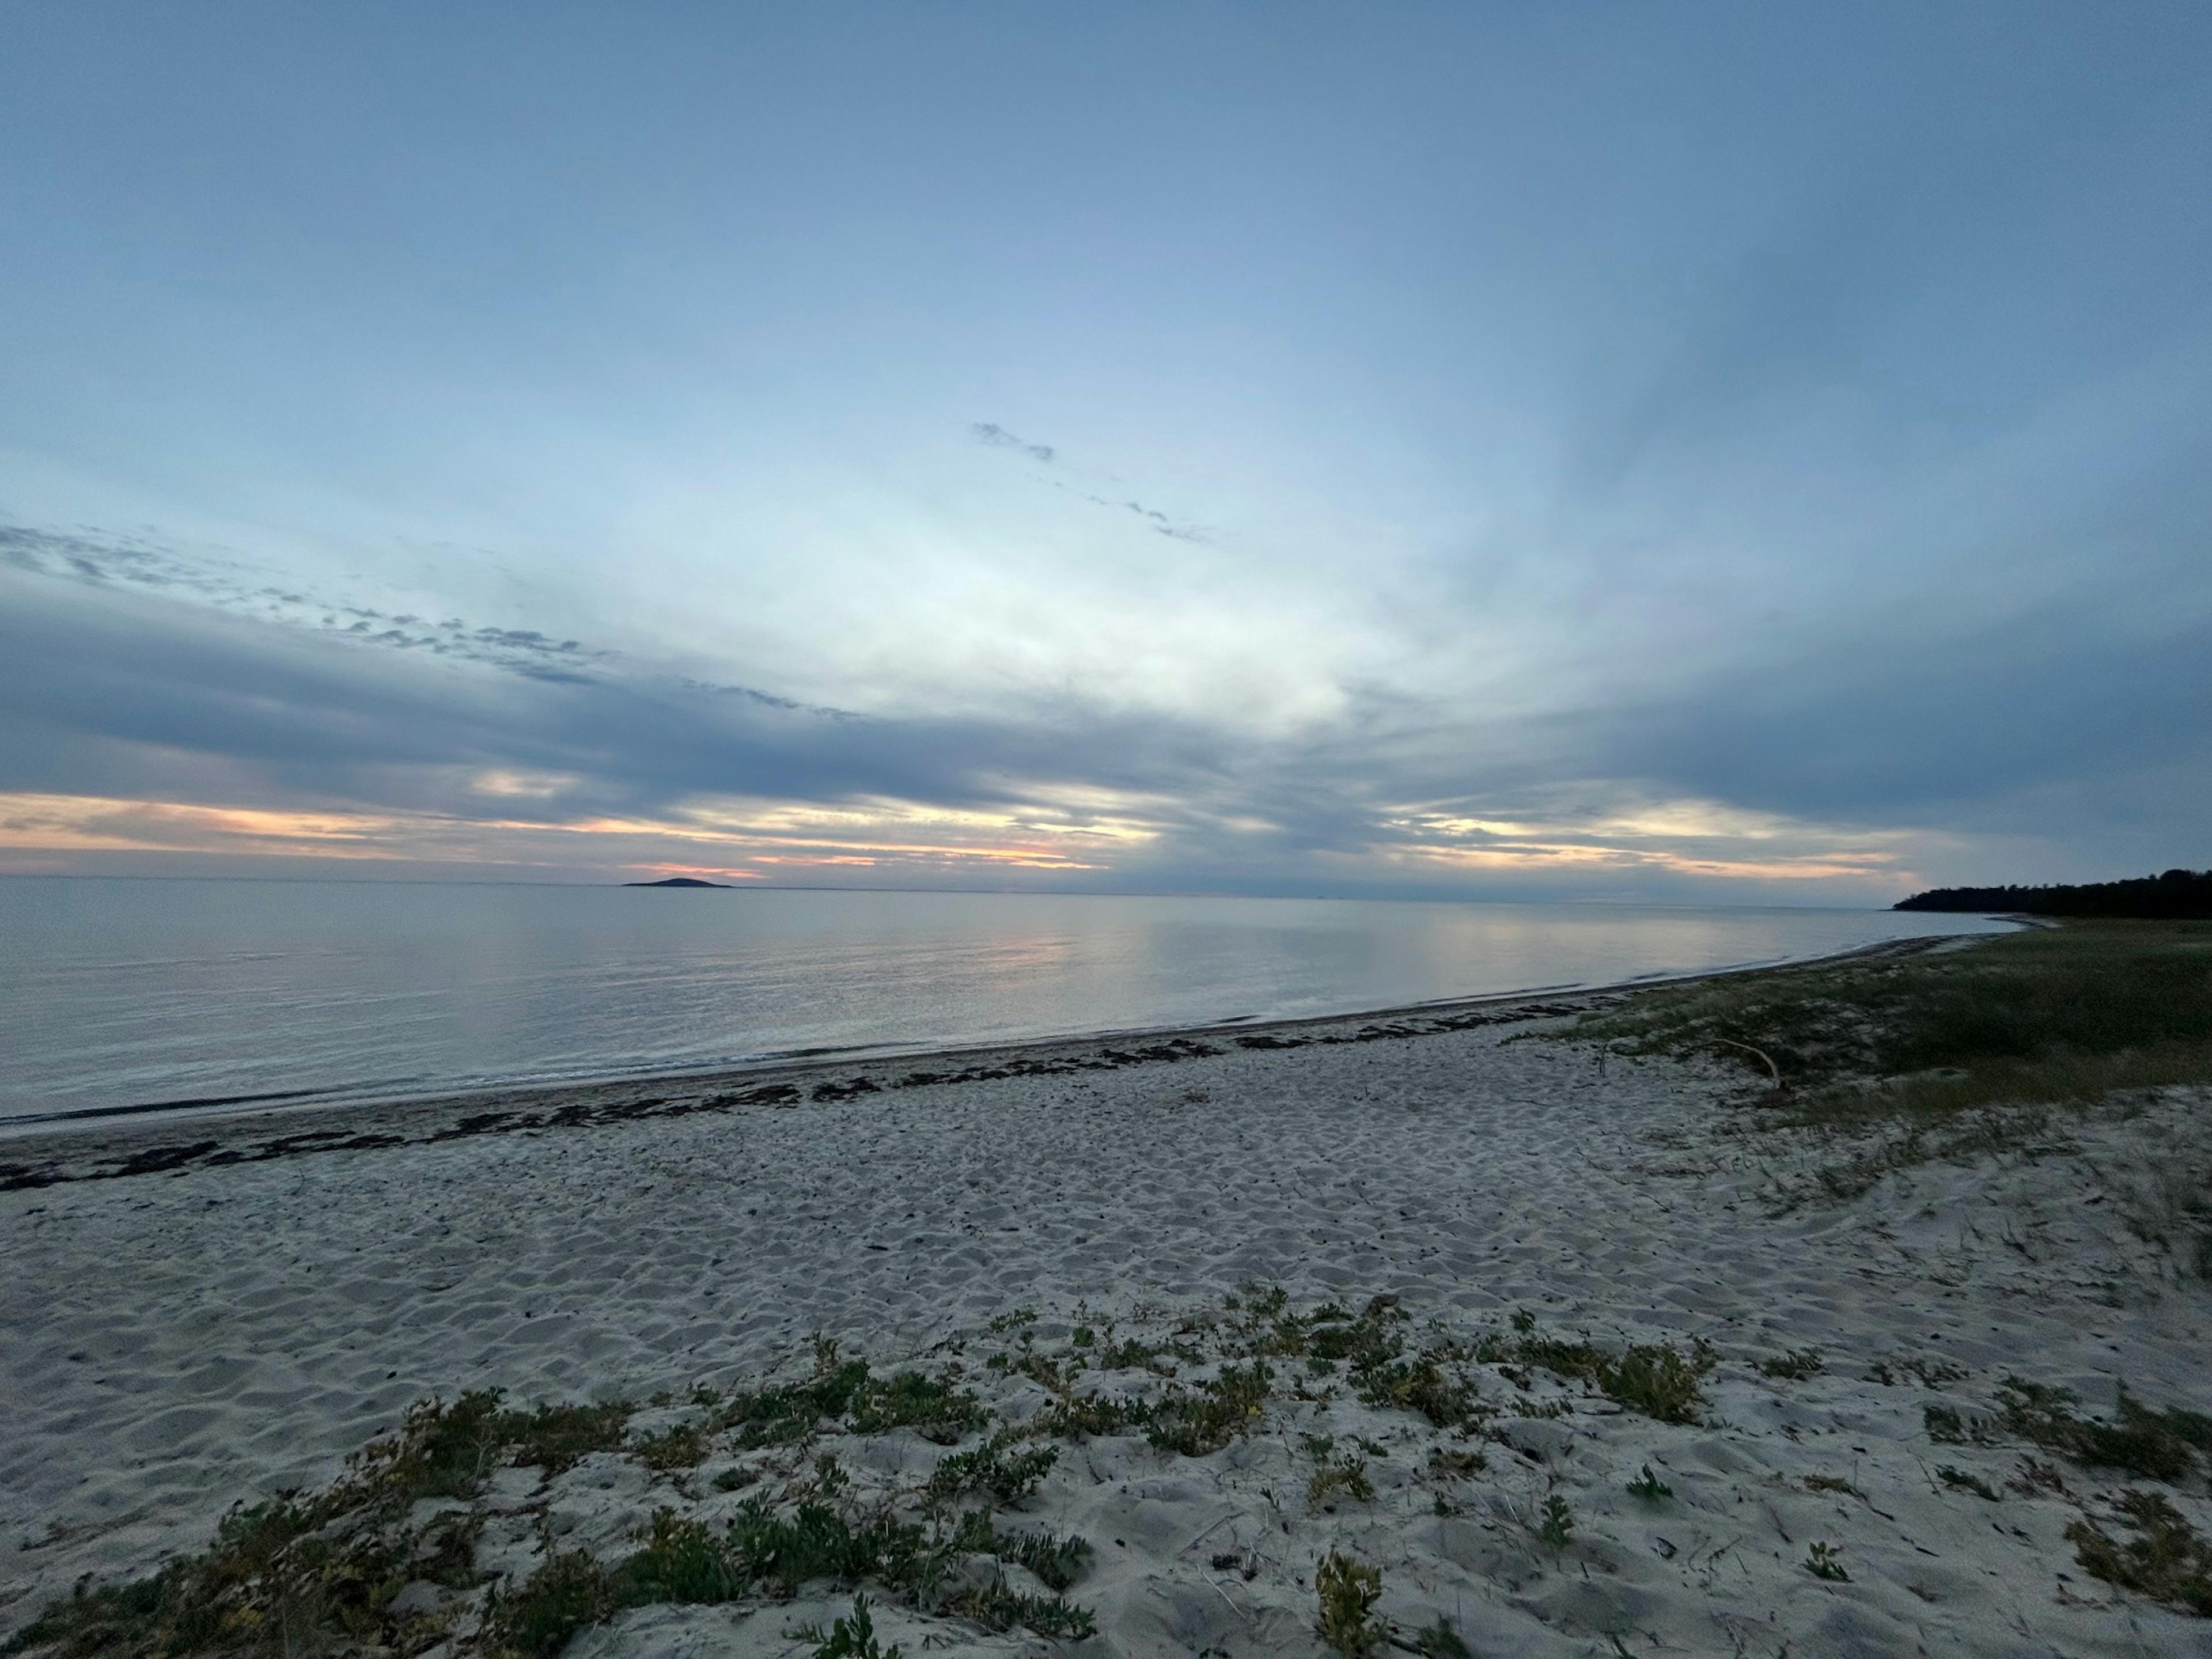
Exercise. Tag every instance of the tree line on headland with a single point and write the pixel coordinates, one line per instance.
(2176, 895)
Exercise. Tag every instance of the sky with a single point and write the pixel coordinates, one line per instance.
(1671, 453)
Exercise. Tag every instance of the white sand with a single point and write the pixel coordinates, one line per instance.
(172, 1342)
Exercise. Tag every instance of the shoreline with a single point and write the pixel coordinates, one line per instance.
(71, 1101)
(55, 1149)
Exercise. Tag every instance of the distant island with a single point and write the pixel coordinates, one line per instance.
(678, 881)
(2177, 895)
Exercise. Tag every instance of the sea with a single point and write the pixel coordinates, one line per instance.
(175, 996)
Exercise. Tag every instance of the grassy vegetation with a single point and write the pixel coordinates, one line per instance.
(1196, 1421)
(1792, 1366)
(2157, 1445)
(323, 1572)
(994, 1468)
(303, 1573)
(284, 1575)
(1946, 1045)
(1657, 1379)
(852, 1636)
(848, 1390)
(1341, 1476)
(1439, 1640)
(2153, 1445)
(763, 1551)
(2166, 1559)
(2046, 1014)
(1960, 1480)
(1369, 1350)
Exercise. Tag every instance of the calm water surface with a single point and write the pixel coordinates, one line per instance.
(118, 993)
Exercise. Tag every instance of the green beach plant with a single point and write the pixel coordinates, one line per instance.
(1347, 1590)
(1556, 1524)
(2166, 1559)
(1341, 1476)
(853, 1635)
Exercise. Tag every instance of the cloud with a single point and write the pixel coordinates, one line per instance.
(139, 724)
(233, 587)
(989, 432)
(1869, 756)
(1156, 521)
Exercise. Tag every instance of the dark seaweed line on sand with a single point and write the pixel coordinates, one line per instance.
(176, 1157)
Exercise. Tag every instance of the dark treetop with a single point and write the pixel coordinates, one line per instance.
(2177, 893)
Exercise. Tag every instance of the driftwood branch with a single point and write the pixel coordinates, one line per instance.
(1765, 1058)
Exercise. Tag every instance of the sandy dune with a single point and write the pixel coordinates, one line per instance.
(177, 1341)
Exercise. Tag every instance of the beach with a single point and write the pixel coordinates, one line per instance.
(205, 1313)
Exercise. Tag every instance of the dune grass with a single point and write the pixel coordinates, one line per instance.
(2047, 1014)
(1955, 1051)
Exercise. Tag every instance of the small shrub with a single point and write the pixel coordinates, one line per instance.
(2156, 1445)
(1343, 1474)
(122, 1618)
(1373, 1338)
(1440, 1641)
(1657, 1379)
(1057, 1561)
(994, 1468)
(268, 1574)
(682, 1447)
(1420, 1385)
(1044, 1369)
(1457, 1465)
(1348, 1590)
(1965, 1482)
(566, 1595)
(816, 1542)
(555, 1438)
(682, 1561)
(854, 1636)
(783, 1413)
(1945, 1427)
(1079, 1416)
(1208, 1419)
(1650, 1487)
(1132, 1356)
(1557, 1528)
(997, 1607)
(1792, 1366)
(1822, 1563)
(938, 1411)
